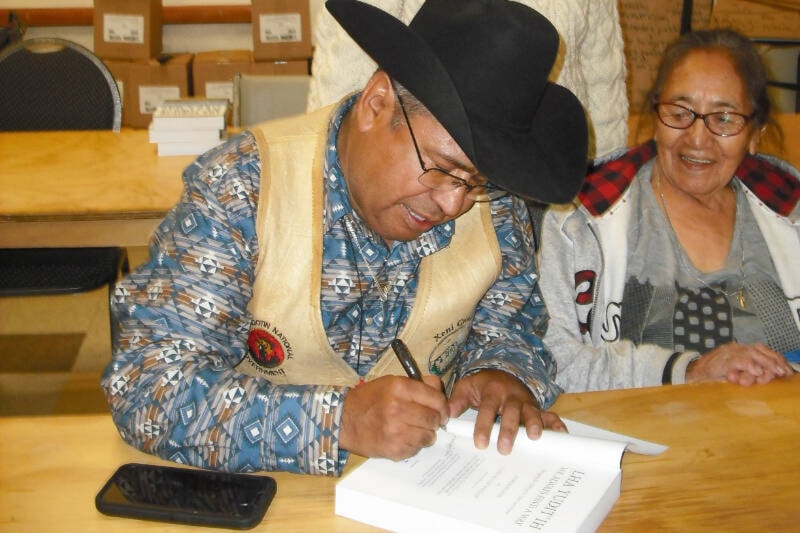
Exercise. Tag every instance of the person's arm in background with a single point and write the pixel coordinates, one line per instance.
(602, 64)
(172, 386)
(505, 368)
(591, 63)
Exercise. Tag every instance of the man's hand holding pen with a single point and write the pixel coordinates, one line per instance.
(395, 416)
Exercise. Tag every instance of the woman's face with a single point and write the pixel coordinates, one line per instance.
(695, 160)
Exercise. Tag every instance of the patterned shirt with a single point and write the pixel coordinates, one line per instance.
(182, 321)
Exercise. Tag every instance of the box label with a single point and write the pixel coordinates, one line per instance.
(220, 89)
(280, 28)
(127, 29)
(151, 96)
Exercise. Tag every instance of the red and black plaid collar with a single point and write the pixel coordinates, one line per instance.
(604, 185)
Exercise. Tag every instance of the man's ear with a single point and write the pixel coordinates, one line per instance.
(375, 105)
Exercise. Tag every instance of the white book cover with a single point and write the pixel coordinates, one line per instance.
(560, 483)
(190, 114)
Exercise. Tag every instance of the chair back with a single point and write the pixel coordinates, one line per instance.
(55, 84)
(783, 63)
(257, 98)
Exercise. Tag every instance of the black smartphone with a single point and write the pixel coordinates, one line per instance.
(186, 496)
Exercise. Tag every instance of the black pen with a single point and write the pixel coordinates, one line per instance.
(409, 365)
(406, 359)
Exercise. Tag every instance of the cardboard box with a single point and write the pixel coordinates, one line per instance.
(281, 29)
(127, 29)
(647, 28)
(765, 19)
(145, 84)
(212, 72)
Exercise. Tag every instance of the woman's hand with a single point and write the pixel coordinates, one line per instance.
(742, 364)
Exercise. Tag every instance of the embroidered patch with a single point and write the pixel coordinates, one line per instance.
(265, 349)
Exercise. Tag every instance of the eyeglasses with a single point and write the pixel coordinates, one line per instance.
(722, 123)
(441, 180)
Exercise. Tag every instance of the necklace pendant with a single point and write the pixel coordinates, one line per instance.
(740, 297)
(383, 289)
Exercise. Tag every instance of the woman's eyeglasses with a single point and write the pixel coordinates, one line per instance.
(722, 123)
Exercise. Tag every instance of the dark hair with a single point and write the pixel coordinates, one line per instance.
(746, 61)
(410, 102)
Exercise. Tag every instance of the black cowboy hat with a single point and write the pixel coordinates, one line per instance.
(481, 68)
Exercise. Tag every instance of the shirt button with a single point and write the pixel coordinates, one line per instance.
(368, 321)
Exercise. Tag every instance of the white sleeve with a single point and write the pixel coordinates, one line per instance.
(339, 66)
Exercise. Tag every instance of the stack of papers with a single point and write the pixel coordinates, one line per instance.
(188, 126)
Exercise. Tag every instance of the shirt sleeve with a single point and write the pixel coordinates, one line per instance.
(180, 324)
(511, 318)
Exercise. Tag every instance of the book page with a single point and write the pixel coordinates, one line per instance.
(556, 483)
(580, 429)
(634, 445)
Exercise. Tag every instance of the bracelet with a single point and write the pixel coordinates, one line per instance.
(666, 377)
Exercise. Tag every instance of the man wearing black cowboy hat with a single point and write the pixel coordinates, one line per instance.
(257, 336)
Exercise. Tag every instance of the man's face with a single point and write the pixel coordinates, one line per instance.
(384, 186)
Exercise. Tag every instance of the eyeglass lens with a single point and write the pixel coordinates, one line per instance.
(439, 179)
(722, 123)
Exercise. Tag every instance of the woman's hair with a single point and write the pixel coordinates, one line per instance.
(746, 61)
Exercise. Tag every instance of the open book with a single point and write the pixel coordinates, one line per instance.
(560, 482)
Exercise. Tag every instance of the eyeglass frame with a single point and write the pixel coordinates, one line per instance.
(704, 117)
(492, 192)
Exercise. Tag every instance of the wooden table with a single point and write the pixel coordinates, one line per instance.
(84, 188)
(732, 465)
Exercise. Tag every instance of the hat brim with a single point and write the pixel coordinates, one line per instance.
(547, 163)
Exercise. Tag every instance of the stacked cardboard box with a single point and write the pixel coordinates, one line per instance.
(281, 46)
(281, 30)
(213, 72)
(127, 37)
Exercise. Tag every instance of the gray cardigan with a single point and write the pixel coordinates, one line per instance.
(590, 236)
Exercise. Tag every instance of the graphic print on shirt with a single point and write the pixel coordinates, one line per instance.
(449, 343)
(267, 347)
(584, 298)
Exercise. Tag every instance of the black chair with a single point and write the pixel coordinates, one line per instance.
(55, 84)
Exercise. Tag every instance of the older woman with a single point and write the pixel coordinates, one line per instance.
(680, 260)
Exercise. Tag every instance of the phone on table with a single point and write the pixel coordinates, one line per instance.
(186, 496)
